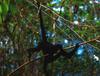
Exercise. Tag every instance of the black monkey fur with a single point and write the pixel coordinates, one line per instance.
(53, 51)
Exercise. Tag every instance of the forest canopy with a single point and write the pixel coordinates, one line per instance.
(66, 22)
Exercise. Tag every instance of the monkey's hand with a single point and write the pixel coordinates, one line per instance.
(77, 45)
(70, 54)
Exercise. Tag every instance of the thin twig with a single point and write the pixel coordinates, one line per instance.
(26, 63)
(92, 40)
(63, 19)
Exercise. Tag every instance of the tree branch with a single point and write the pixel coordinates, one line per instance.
(92, 40)
(26, 63)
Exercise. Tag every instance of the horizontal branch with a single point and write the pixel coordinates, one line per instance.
(92, 40)
(35, 2)
(26, 63)
(32, 60)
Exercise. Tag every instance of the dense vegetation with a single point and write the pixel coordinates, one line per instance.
(66, 21)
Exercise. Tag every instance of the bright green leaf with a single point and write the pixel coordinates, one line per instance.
(5, 8)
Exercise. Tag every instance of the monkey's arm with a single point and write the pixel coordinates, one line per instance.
(70, 54)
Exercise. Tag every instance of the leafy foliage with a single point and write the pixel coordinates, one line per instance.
(21, 31)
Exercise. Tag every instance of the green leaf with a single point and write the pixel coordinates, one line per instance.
(0, 9)
(98, 23)
(13, 9)
(5, 8)
(19, 1)
(0, 20)
(6, 1)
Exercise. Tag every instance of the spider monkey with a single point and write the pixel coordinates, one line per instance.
(52, 51)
